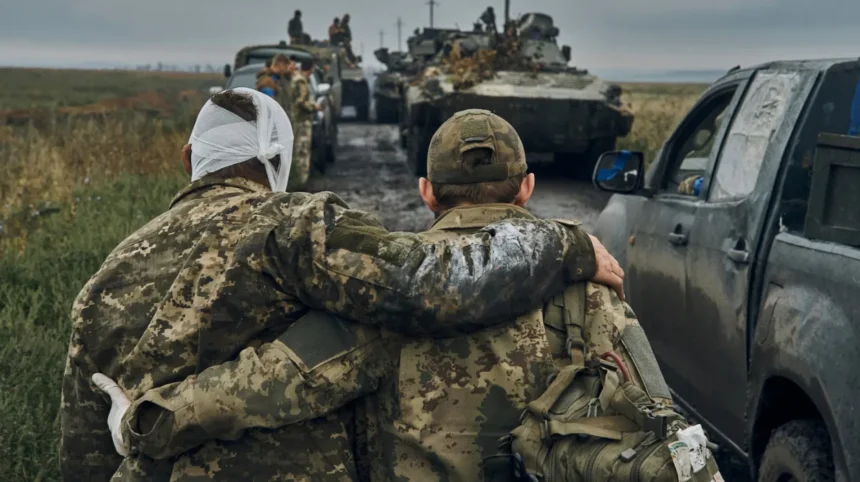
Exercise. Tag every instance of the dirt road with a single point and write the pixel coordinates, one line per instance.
(371, 174)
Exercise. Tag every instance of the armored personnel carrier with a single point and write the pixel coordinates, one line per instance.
(389, 85)
(523, 76)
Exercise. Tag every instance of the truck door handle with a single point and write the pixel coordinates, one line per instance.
(739, 256)
(677, 237)
(739, 253)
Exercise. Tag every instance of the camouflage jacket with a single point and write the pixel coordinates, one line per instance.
(452, 399)
(280, 85)
(303, 107)
(232, 265)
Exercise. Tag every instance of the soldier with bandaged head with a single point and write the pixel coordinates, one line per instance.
(222, 280)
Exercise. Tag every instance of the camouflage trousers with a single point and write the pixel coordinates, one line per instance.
(300, 170)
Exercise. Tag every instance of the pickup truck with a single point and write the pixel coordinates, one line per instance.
(747, 279)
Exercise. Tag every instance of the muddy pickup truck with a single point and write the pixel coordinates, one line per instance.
(741, 246)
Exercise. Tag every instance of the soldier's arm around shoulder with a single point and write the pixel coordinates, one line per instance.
(86, 449)
(343, 261)
(318, 365)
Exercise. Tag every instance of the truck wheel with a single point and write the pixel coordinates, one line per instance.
(418, 143)
(798, 451)
(329, 154)
(363, 112)
(402, 137)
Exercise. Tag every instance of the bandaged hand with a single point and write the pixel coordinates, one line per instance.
(119, 403)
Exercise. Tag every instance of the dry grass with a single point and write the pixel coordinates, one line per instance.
(658, 108)
(51, 88)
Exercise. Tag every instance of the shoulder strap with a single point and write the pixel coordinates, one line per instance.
(572, 304)
(573, 311)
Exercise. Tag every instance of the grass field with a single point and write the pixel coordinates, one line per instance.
(73, 189)
(48, 88)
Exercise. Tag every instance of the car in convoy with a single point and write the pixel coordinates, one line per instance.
(324, 137)
(260, 54)
(741, 247)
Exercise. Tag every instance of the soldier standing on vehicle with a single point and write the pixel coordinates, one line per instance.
(303, 110)
(235, 261)
(489, 19)
(346, 35)
(294, 29)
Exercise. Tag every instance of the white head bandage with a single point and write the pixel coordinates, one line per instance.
(221, 139)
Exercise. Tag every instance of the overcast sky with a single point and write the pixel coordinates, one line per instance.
(639, 34)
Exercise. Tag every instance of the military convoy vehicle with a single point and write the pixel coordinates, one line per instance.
(389, 85)
(355, 91)
(760, 261)
(560, 111)
(324, 85)
(329, 64)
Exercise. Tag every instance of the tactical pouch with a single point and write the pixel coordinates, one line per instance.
(597, 420)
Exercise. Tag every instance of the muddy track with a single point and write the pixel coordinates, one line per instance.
(371, 174)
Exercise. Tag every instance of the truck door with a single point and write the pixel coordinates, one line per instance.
(336, 85)
(722, 243)
(657, 249)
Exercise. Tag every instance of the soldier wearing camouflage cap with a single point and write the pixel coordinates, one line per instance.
(441, 404)
(233, 263)
(451, 401)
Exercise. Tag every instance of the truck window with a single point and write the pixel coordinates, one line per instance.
(829, 110)
(691, 151)
(760, 114)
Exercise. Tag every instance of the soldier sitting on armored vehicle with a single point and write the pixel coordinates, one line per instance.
(334, 31)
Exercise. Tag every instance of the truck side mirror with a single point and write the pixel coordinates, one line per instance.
(227, 70)
(619, 171)
(565, 52)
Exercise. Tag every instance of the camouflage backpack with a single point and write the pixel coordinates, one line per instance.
(605, 417)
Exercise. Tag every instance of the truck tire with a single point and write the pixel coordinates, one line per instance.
(418, 143)
(362, 111)
(798, 451)
(330, 156)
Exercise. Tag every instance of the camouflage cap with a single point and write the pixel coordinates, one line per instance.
(475, 129)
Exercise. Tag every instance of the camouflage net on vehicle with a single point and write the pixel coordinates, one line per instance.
(465, 71)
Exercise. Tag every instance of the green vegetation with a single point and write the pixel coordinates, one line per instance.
(36, 293)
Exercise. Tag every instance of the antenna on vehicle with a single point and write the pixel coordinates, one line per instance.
(381, 37)
(399, 27)
(432, 4)
(736, 67)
